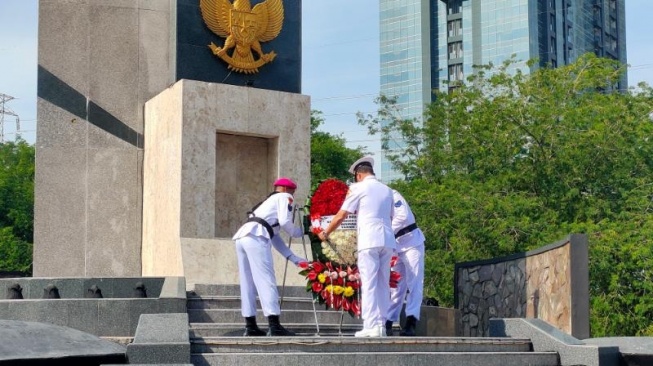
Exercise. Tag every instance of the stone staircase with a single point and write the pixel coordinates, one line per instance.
(216, 328)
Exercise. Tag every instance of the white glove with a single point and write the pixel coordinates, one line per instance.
(297, 260)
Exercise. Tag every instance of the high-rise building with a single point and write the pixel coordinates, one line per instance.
(427, 42)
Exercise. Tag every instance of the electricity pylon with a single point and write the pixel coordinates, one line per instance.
(5, 111)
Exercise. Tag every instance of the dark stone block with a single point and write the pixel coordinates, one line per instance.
(161, 338)
(485, 273)
(137, 307)
(49, 311)
(30, 343)
(113, 318)
(51, 292)
(103, 283)
(68, 288)
(169, 305)
(153, 285)
(124, 287)
(14, 292)
(139, 290)
(93, 292)
(83, 315)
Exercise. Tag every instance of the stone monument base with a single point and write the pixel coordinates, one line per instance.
(214, 261)
(212, 152)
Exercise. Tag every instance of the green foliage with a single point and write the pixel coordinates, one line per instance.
(510, 162)
(16, 206)
(330, 157)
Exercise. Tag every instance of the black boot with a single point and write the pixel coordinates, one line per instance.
(409, 328)
(388, 328)
(251, 329)
(275, 329)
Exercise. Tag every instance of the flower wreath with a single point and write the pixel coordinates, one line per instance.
(333, 277)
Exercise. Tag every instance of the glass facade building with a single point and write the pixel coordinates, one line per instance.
(427, 42)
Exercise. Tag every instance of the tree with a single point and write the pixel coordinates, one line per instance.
(509, 162)
(16, 206)
(330, 157)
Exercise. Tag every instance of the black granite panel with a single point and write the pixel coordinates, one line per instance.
(195, 60)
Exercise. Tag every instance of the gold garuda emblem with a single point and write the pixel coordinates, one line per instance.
(245, 28)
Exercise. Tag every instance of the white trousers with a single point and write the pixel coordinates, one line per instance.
(374, 269)
(256, 272)
(411, 268)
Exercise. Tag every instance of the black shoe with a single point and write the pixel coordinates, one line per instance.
(388, 328)
(276, 330)
(251, 329)
(253, 332)
(409, 329)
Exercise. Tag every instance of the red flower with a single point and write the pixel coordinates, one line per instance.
(334, 276)
(317, 287)
(318, 267)
(337, 301)
(303, 265)
(355, 307)
(394, 279)
(328, 198)
(346, 305)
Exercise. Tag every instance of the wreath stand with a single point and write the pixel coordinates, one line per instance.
(285, 271)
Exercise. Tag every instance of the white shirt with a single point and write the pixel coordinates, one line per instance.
(403, 216)
(275, 209)
(372, 201)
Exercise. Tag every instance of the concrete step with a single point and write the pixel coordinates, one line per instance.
(294, 316)
(201, 330)
(378, 358)
(234, 290)
(349, 344)
(233, 302)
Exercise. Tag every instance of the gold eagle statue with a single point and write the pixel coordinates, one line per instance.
(244, 28)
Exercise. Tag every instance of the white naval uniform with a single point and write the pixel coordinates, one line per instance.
(372, 200)
(253, 247)
(410, 249)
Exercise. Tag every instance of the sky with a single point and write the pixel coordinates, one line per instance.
(340, 61)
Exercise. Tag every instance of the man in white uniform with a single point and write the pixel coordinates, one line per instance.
(410, 249)
(372, 201)
(253, 246)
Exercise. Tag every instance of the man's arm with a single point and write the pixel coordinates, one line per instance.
(335, 223)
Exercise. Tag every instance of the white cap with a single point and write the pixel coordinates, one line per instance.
(365, 159)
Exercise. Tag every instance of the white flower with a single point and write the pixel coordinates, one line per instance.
(342, 246)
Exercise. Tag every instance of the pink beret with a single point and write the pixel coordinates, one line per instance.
(285, 182)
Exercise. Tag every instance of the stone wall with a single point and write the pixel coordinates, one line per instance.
(550, 283)
(98, 63)
(116, 314)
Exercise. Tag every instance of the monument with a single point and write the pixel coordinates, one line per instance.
(161, 123)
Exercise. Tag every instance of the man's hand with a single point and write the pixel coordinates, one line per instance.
(323, 235)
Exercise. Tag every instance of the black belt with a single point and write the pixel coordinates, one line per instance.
(265, 224)
(406, 230)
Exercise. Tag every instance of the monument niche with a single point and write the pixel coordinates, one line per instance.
(155, 136)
